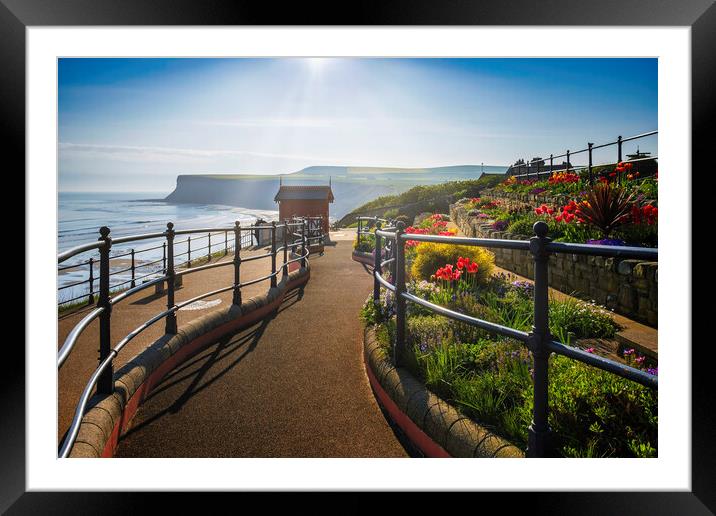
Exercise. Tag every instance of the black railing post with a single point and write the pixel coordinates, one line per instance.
(208, 251)
(303, 243)
(273, 254)
(619, 149)
(133, 283)
(164, 258)
(376, 264)
(285, 249)
(226, 243)
(539, 431)
(399, 351)
(568, 164)
(237, 263)
(589, 167)
(188, 252)
(358, 235)
(90, 299)
(171, 321)
(551, 164)
(105, 383)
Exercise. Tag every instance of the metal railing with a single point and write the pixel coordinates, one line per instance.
(366, 223)
(539, 341)
(297, 232)
(525, 172)
(138, 269)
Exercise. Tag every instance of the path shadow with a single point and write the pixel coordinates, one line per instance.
(244, 342)
(149, 298)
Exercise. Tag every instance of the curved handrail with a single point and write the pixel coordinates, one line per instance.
(79, 249)
(72, 338)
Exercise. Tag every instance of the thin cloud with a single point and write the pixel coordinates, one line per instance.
(167, 154)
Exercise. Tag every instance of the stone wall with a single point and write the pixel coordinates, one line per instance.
(629, 287)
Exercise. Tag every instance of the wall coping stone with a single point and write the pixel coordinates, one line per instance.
(457, 434)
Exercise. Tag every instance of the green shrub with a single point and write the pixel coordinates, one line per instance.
(646, 235)
(390, 214)
(593, 413)
(583, 320)
(429, 257)
(522, 225)
(367, 243)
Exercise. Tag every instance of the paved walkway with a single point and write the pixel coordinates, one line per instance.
(132, 312)
(293, 386)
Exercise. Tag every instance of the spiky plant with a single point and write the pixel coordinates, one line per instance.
(606, 207)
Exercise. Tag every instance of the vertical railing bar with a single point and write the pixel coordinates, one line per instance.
(208, 252)
(133, 275)
(399, 351)
(285, 249)
(90, 299)
(359, 232)
(171, 320)
(188, 252)
(237, 263)
(589, 166)
(539, 431)
(164, 258)
(303, 242)
(376, 264)
(273, 254)
(105, 383)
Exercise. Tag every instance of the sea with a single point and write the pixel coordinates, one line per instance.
(81, 214)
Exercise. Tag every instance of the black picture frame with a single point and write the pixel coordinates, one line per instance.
(700, 15)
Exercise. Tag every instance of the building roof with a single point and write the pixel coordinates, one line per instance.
(304, 192)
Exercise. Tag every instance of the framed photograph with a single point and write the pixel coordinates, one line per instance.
(290, 251)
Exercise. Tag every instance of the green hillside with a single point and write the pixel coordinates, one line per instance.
(433, 198)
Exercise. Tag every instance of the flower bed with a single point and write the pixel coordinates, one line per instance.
(489, 378)
(618, 209)
(629, 287)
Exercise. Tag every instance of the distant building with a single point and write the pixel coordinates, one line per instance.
(534, 166)
(304, 201)
(643, 163)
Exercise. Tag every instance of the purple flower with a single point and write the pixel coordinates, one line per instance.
(589, 350)
(536, 191)
(639, 359)
(607, 241)
(499, 225)
(653, 371)
(628, 352)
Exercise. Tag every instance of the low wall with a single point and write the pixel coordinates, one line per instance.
(434, 426)
(629, 287)
(363, 257)
(109, 416)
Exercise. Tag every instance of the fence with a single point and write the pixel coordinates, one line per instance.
(138, 271)
(539, 341)
(298, 232)
(524, 172)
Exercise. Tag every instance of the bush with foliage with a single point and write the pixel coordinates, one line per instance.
(367, 243)
(429, 257)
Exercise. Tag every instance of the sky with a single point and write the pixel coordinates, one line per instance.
(129, 125)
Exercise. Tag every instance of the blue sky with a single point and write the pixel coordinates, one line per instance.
(135, 124)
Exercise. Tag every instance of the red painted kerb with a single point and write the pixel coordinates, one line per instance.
(413, 432)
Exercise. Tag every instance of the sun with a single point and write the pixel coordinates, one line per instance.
(316, 64)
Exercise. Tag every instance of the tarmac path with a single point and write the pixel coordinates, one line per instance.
(291, 386)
